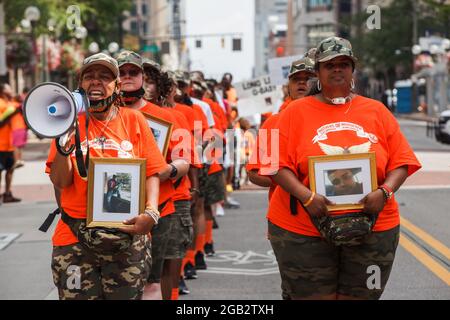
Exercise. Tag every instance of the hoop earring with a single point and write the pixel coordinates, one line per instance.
(352, 84)
(319, 86)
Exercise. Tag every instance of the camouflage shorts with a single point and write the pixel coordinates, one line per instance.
(80, 274)
(214, 188)
(182, 231)
(160, 239)
(309, 266)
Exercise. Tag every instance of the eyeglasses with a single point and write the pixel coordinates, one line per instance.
(131, 73)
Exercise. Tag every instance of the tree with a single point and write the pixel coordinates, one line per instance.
(98, 16)
(387, 51)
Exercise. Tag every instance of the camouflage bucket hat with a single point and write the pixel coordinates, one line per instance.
(129, 57)
(101, 59)
(333, 47)
(305, 64)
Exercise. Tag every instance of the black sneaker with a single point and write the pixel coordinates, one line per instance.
(200, 263)
(215, 225)
(209, 249)
(182, 287)
(190, 272)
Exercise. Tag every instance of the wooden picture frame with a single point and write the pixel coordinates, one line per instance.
(344, 179)
(116, 191)
(162, 131)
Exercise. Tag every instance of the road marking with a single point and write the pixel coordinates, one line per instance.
(425, 259)
(7, 238)
(428, 239)
(244, 272)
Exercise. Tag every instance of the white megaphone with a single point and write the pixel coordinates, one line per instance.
(50, 109)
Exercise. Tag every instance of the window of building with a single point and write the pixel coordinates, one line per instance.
(144, 27)
(317, 33)
(165, 47)
(237, 44)
(134, 27)
(198, 44)
(144, 9)
(319, 5)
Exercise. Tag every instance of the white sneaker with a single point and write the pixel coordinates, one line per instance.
(219, 210)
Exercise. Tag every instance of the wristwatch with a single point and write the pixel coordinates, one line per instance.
(174, 171)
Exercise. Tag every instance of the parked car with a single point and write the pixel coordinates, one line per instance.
(442, 128)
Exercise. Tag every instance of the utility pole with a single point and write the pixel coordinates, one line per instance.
(3, 69)
(177, 28)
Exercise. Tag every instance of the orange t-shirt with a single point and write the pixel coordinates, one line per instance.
(285, 104)
(309, 126)
(16, 122)
(188, 113)
(260, 147)
(219, 113)
(127, 136)
(166, 189)
(182, 192)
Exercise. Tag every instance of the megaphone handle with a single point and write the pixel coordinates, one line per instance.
(65, 153)
(82, 164)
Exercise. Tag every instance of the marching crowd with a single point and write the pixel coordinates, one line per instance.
(189, 182)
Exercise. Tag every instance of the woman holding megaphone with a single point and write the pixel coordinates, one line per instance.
(104, 273)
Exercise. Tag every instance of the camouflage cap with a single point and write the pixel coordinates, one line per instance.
(129, 57)
(333, 47)
(197, 76)
(182, 76)
(101, 59)
(305, 64)
(147, 63)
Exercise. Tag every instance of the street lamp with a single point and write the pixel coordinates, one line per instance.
(113, 47)
(33, 14)
(93, 47)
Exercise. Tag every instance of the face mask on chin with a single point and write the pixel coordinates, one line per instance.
(130, 97)
(99, 106)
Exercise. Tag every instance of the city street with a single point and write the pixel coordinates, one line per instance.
(244, 266)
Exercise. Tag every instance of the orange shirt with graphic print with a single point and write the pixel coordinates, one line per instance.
(219, 113)
(311, 128)
(127, 136)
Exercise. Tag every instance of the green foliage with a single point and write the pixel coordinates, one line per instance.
(383, 50)
(100, 17)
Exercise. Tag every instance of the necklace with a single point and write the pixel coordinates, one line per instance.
(101, 139)
(340, 101)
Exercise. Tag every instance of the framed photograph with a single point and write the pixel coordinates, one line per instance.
(343, 179)
(116, 191)
(161, 129)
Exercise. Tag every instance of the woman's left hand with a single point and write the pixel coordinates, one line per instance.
(374, 202)
(140, 225)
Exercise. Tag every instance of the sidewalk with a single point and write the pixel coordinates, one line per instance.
(417, 116)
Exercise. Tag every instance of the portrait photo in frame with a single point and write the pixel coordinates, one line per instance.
(161, 129)
(116, 191)
(344, 179)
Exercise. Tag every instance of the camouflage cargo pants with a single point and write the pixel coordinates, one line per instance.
(309, 266)
(80, 274)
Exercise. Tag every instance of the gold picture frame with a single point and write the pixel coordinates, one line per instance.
(116, 191)
(344, 179)
(162, 131)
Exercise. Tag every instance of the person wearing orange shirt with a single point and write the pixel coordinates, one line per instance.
(9, 123)
(331, 122)
(109, 263)
(131, 69)
(300, 75)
